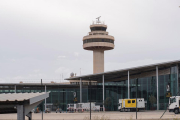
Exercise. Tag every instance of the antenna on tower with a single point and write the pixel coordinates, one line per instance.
(98, 21)
(60, 78)
(80, 71)
(92, 22)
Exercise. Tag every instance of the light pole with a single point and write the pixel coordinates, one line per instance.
(42, 101)
(90, 99)
(136, 95)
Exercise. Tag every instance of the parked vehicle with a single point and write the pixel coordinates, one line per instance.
(80, 107)
(48, 110)
(71, 107)
(127, 105)
(174, 102)
(59, 110)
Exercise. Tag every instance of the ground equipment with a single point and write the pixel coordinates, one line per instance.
(71, 107)
(37, 110)
(81, 107)
(174, 104)
(48, 110)
(58, 110)
(127, 105)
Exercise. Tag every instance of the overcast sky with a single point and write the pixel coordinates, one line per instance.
(43, 38)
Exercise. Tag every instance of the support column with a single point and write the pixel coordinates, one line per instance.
(128, 86)
(80, 90)
(90, 98)
(177, 80)
(20, 112)
(45, 99)
(157, 75)
(98, 61)
(14, 88)
(29, 115)
(103, 91)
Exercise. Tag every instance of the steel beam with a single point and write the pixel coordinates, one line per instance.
(177, 79)
(90, 98)
(80, 90)
(157, 76)
(20, 112)
(14, 88)
(128, 86)
(29, 115)
(103, 91)
(45, 98)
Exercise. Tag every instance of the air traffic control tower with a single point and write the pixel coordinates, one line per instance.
(98, 41)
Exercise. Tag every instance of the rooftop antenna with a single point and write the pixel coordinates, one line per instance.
(92, 22)
(60, 78)
(80, 71)
(98, 21)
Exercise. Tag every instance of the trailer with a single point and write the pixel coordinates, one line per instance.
(174, 104)
(81, 107)
(128, 105)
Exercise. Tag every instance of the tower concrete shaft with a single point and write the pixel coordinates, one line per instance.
(98, 61)
(98, 41)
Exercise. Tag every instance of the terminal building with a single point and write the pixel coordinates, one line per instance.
(106, 88)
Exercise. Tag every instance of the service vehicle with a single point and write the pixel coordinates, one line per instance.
(71, 107)
(127, 105)
(48, 110)
(83, 107)
(58, 110)
(174, 104)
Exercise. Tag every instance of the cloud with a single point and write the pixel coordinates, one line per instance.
(63, 71)
(37, 75)
(36, 71)
(18, 77)
(13, 60)
(76, 54)
(61, 57)
(2, 80)
(43, 39)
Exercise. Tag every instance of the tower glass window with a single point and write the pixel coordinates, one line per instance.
(98, 29)
(98, 40)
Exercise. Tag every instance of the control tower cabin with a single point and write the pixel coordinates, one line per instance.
(98, 41)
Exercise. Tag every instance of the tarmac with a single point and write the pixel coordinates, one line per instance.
(148, 115)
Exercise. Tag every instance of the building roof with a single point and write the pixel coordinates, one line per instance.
(111, 75)
(38, 85)
(8, 102)
(20, 97)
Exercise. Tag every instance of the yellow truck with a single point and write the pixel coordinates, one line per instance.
(128, 105)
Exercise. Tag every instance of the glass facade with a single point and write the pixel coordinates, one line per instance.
(61, 95)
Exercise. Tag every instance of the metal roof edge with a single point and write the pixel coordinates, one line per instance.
(138, 67)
